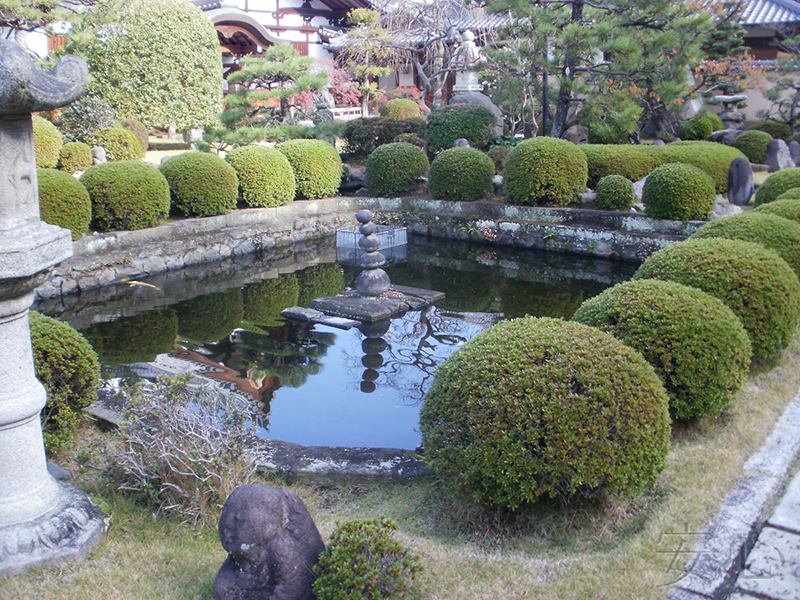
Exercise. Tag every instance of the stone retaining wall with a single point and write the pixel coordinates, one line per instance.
(103, 259)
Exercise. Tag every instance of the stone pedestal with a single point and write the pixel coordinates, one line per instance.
(41, 520)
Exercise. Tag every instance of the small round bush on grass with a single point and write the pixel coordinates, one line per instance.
(696, 129)
(265, 176)
(755, 283)
(460, 174)
(753, 144)
(545, 172)
(392, 169)
(74, 157)
(64, 201)
(68, 368)
(120, 143)
(716, 122)
(771, 231)
(678, 192)
(138, 129)
(785, 206)
(201, 184)
(317, 167)
(713, 158)
(126, 195)
(411, 138)
(614, 192)
(363, 561)
(400, 108)
(776, 184)
(535, 408)
(473, 122)
(695, 343)
(47, 141)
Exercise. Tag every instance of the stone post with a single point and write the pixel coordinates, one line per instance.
(41, 520)
(372, 281)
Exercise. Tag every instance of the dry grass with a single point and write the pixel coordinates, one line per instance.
(621, 549)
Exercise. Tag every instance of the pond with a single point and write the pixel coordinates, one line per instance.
(315, 384)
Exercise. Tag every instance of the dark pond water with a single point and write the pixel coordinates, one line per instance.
(318, 385)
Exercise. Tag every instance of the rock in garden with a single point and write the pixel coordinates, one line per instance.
(98, 155)
(482, 100)
(272, 543)
(794, 150)
(352, 179)
(724, 209)
(461, 143)
(724, 136)
(659, 143)
(777, 156)
(740, 182)
(577, 134)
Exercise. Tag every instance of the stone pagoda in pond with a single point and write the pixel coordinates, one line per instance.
(41, 520)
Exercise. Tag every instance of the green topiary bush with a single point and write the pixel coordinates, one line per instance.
(695, 343)
(317, 167)
(790, 193)
(716, 122)
(614, 192)
(264, 301)
(120, 143)
(536, 408)
(126, 195)
(778, 131)
(470, 121)
(713, 158)
(201, 184)
(787, 207)
(64, 201)
(545, 172)
(678, 192)
(392, 169)
(755, 283)
(461, 174)
(139, 338)
(210, 318)
(410, 138)
(70, 372)
(363, 561)
(771, 231)
(753, 144)
(696, 129)
(365, 134)
(498, 155)
(83, 117)
(632, 162)
(265, 176)
(138, 129)
(74, 157)
(776, 184)
(47, 141)
(400, 108)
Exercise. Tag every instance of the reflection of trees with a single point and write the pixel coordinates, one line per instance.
(465, 291)
(319, 281)
(211, 317)
(520, 298)
(139, 338)
(264, 301)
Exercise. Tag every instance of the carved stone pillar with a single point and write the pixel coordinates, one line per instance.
(41, 520)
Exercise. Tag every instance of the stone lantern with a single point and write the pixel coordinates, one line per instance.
(41, 520)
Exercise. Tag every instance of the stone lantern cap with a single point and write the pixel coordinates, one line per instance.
(26, 88)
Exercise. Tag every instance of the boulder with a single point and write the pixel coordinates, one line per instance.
(740, 182)
(99, 155)
(577, 134)
(461, 143)
(794, 150)
(724, 136)
(352, 179)
(777, 156)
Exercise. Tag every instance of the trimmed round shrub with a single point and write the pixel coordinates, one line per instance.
(400, 108)
(498, 155)
(317, 167)
(265, 176)
(753, 144)
(139, 338)
(713, 158)
(363, 561)
(614, 192)
(47, 141)
(632, 162)
(545, 171)
(791, 193)
(120, 143)
(319, 281)
(716, 122)
(695, 343)
(473, 122)
(755, 283)
(139, 129)
(126, 195)
(392, 169)
(696, 129)
(536, 408)
(410, 138)
(83, 117)
(460, 174)
(771, 231)
(264, 301)
(69, 370)
(364, 134)
(201, 184)
(74, 157)
(778, 131)
(787, 207)
(210, 318)
(64, 201)
(678, 192)
(776, 184)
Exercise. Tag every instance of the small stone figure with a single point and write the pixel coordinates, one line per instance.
(372, 281)
(740, 181)
(272, 543)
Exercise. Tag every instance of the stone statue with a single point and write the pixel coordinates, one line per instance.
(272, 543)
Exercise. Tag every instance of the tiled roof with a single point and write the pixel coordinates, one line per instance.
(768, 12)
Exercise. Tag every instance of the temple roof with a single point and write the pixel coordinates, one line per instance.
(770, 12)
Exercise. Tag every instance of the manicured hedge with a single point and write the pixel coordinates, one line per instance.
(755, 283)
(317, 167)
(64, 201)
(678, 192)
(47, 142)
(74, 157)
(365, 134)
(779, 131)
(696, 129)
(139, 129)
(753, 144)
(614, 192)
(400, 108)
(715, 159)
(473, 122)
(535, 408)
(265, 176)
(392, 170)
(787, 207)
(460, 174)
(120, 143)
(545, 171)
(201, 184)
(695, 343)
(776, 184)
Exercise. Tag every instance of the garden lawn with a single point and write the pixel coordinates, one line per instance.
(620, 549)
